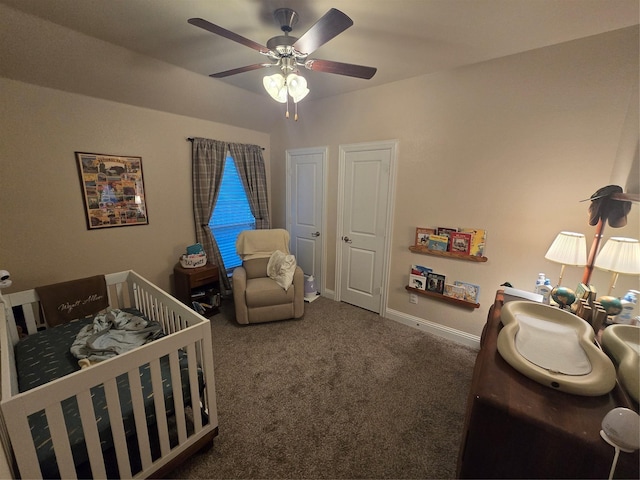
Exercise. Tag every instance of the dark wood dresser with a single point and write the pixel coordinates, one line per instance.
(518, 428)
(196, 284)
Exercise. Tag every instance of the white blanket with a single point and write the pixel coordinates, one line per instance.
(281, 268)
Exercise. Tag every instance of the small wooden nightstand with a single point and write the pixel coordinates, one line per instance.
(197, 285)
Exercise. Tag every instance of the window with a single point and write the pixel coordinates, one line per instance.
(231, 215)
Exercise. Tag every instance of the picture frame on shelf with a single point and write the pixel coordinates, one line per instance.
(446, 231)
(439, 243)
(418, 282)
(460, 242)
(418, 277)
(478, 241)
(112, 190)
(472, 291)
(435, 282)
(422, 236)
(454, 291)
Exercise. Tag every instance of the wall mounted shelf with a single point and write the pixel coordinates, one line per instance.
(437, 253)
(444, 298)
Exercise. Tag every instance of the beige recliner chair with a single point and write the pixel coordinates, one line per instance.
(257, 296)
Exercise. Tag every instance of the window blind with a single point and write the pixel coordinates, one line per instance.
(231, 215)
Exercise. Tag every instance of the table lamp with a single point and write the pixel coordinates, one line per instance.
(569, 248)
(619, 255)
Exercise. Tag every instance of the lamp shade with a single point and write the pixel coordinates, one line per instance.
(569, 248)
(276, 87)
(297, 86)
(620, 255)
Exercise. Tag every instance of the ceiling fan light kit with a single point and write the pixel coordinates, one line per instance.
(289, 54)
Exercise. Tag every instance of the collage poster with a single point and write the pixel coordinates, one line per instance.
(113, 190)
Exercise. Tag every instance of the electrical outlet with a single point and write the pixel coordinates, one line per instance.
(413, 298)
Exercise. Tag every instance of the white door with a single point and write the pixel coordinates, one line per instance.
(305, 197)
(364, 208)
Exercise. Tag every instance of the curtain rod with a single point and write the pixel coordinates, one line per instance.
(190, 139)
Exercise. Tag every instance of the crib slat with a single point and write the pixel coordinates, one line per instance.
(117, 428)
(210, 406)
(15, 418)
(60, 439)
(193, 384)
(120, 295)
(166, 317)
(161, 412)
(140, 418)
(91, 436)
(178, 399)
(30, 319)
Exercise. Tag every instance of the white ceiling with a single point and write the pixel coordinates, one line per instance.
(402, 38)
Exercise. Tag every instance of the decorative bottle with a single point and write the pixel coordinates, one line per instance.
(629, 302)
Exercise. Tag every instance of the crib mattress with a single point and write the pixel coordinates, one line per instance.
(45, 357)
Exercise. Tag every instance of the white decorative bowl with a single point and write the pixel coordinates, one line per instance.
(193, 261)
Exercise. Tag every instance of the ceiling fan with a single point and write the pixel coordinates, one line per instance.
(288, 53)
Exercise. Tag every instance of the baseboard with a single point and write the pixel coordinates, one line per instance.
(458, 336)
(330, 294)
(449, 333)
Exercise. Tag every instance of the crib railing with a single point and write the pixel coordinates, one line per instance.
(192, 421)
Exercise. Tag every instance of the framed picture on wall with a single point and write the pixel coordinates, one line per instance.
(112, 190)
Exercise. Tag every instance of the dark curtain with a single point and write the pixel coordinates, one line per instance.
(208, 158)
(250, 165)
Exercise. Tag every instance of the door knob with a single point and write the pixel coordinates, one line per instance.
(316, 234)
(346, 239)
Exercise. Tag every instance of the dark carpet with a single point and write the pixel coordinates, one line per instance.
(341, 393)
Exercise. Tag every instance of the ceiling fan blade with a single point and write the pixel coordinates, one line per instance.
(331, 24)
(348, 69)
(235, 71)
(223, 32)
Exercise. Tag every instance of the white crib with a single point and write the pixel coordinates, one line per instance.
(192, 427)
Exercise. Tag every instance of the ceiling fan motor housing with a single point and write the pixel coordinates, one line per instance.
(283, 44)
(286, 18)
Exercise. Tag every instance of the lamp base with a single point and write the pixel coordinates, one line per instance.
(612, 305)
(563, 296)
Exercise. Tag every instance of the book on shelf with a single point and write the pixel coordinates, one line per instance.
(472, 291)
(460, 242)
(478, 240)
(435, 282)
(418, 282)
(454, 291)
(418, 277)
(420, 270)
(445, 230)
(439, 243)
(422, 236)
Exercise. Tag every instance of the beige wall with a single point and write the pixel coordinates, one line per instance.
(510, 145)
(43, 233)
